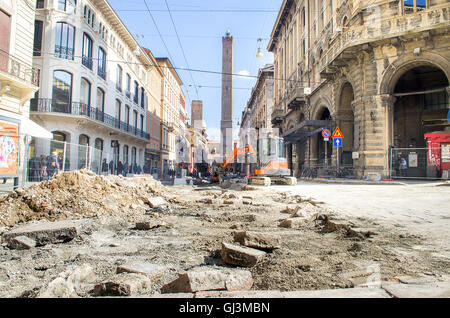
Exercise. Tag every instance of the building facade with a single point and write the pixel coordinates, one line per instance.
(378, 70)
(155, 89)
(18, 83)
(93, 83)
(172, 102)
(256, 118)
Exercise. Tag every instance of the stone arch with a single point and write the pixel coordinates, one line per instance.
(397, 69)
(345, 120)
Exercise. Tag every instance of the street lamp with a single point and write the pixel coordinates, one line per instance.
(259, 54)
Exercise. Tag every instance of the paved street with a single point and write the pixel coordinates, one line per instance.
(417, 208)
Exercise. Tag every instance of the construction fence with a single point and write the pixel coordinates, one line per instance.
(420, 163)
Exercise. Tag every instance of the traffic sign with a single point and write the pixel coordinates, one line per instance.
(326, 133)
(337, 142)
(338, 133)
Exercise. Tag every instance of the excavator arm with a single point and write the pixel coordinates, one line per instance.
(236, 152)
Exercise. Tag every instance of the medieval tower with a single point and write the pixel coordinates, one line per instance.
(227, 94)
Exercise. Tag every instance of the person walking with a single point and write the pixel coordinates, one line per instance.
(53, 164)
(120, 168)
(43, 168)
(403, 167)
(111, 166)
(104, 167)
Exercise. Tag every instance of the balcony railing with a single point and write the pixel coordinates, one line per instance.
(101, 72)
(277, 116)
(64, 52)
(45, 105)
(18, 69)
(87, 61)
(386, 28)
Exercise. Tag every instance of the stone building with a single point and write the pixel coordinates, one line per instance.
(93, 85)
(379, 70)
(172, 102)
(257, 116)
(18, 83)
(153, 149)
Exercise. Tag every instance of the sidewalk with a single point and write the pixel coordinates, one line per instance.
(366, 182)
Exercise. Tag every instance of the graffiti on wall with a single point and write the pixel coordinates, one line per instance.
(9, 148)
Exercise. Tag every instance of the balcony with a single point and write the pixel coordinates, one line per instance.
(64, 52)
(19, 75)
(44, 105)
(102, 73)
(296, 98)
(341, 46)
(277, 116)
(87, 61)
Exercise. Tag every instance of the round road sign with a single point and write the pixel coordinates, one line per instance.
(326, 133)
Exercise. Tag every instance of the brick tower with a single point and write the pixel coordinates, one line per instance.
(227, 94)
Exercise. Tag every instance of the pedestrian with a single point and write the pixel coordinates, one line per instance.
(53, 164)
(138, 169)
(403, 167)
(4, 180)
(135, 168)
(111, 166)
(104, 167)
(120, 168)
(43, 168)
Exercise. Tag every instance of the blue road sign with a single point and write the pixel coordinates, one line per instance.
(337, 142)
(326, 133)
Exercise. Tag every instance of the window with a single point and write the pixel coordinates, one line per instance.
(40, 4)
(436, 101)
(101, 63)
(118, 113)
(142, 97)
(65, 41)
(62, 92)
(136, 93)
(85, 92)
(37, 46)
(128, 89)
(67, 5)
(345, 24)
(119, 78)
(133, 155)
(127, 115)
(412, 6)
(83, 153)
(142, 122)
(100, 104)
(87, 51)
(125, 154)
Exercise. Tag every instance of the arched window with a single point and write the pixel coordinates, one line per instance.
(133, 155)
(125, 155)
(119, 78)
(99, 144)
(64, 41)
(87, 51)
(101, 63)
(83, 151)
(62, 92)
(85, 92)
(345, 24)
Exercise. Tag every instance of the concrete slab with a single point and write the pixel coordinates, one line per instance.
(46, 233)
(262, 241)
(338, 293)
(154, 271)
(240, 256)
(241, 294)
(431, 290)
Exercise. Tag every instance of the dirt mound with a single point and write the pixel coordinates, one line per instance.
(77, 194)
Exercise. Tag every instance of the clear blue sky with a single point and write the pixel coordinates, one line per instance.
(201, 30)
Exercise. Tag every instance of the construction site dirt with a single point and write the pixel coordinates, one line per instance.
(133, 236)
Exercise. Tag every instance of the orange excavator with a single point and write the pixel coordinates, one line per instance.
(272, 166)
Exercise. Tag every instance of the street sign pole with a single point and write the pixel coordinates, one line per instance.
(326, 154)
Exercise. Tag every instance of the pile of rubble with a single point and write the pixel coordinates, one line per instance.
(78, 195)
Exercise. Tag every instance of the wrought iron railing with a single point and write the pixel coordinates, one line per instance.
(46, 105)
(101, 72)
(21, 70)
(87, 61)
(64, 52)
